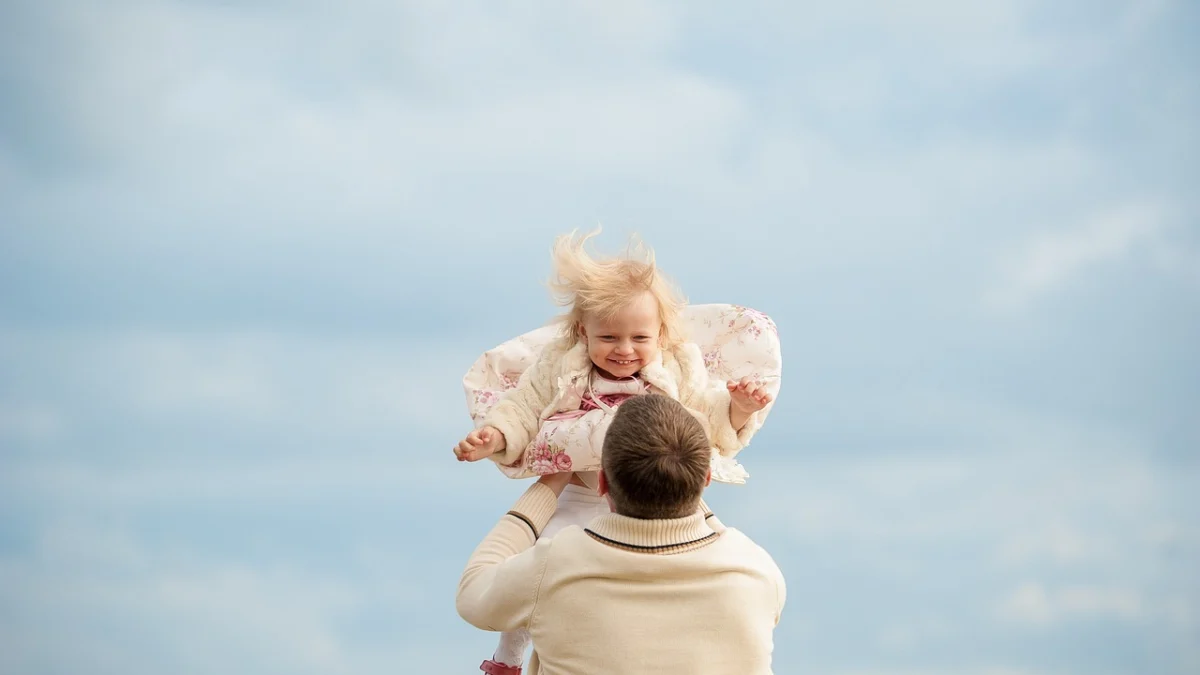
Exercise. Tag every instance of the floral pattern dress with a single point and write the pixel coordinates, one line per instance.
(571, 441)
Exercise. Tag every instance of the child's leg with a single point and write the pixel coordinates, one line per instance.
(576, 506)
(511, 650)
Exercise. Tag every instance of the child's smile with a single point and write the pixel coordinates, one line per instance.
(620, 346)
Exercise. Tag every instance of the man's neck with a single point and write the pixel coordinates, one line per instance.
(683, 513)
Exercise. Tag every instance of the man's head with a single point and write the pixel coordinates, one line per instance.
(655, 460)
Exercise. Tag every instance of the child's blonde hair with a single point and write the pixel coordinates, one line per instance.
(601, 287)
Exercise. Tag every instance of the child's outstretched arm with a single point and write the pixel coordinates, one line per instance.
(516, 417)
(746, 397)
(483, 442)
(728, 407)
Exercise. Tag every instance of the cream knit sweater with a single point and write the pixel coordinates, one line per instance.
(625, 595)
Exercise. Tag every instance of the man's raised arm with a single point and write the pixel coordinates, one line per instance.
(498, 588)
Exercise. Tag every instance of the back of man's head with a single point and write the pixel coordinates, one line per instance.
(656, 458)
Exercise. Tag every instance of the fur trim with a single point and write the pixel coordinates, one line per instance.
(575, 361)
(659, 374)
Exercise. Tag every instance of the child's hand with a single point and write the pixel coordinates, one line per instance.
(748, 395)
(479, 444)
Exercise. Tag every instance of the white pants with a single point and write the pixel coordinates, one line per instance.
(577, 505)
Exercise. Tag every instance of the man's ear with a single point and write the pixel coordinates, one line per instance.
(602, 483)
(708, 477)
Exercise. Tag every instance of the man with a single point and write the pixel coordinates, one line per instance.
(657, 586)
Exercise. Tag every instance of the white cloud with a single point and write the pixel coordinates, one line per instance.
(1018, 467)
(1056, 542)
(201, 615)
(917, 633)
(247, 377)
(496, 89)
(1054, 258)
(1032, 603)
(393, 478)
(403, 100)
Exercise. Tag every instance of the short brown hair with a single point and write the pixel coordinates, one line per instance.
(656, 458)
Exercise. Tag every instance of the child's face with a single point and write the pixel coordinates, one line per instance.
(622, 345)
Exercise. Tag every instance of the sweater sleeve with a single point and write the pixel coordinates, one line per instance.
(518, 414)
(499, 587)
(780, 592)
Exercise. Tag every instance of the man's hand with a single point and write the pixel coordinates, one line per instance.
(479, 444)
(557, 481)
(748, 395)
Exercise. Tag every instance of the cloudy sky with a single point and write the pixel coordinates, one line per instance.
(247, 251)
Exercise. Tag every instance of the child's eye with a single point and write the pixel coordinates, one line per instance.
(641, 338)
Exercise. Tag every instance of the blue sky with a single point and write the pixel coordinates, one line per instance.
(247, 251)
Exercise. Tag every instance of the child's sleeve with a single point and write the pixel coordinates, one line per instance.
(518, 414)
(711, 398)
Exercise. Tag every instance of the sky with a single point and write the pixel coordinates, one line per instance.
(248, 251)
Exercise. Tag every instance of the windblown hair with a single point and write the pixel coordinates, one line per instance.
(599, 287)
(656, 458)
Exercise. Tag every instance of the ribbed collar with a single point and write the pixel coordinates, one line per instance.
(651, 534)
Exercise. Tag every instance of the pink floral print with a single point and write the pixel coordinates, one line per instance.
(544, 458)
(509, 379)
(757, 320)
(712, 359)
